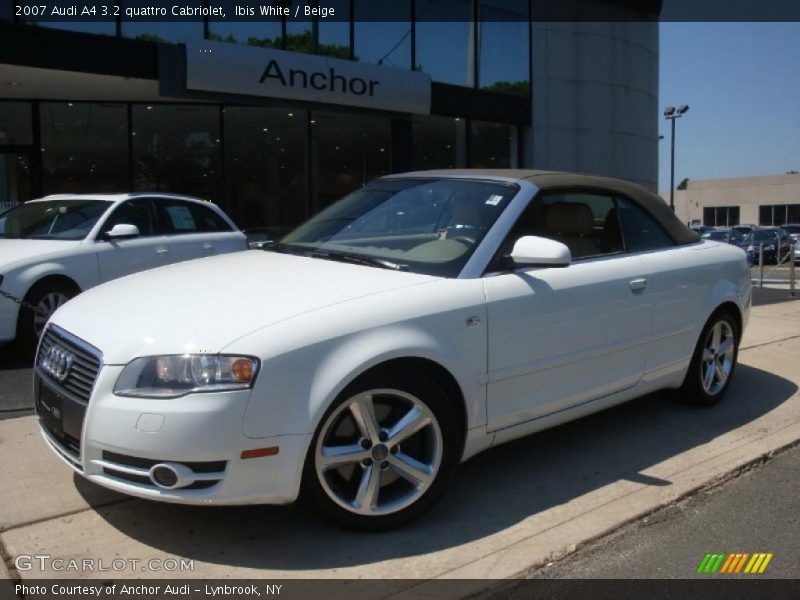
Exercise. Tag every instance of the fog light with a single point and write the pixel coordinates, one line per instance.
(170, 475)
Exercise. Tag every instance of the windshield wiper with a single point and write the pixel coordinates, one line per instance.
(358, 259)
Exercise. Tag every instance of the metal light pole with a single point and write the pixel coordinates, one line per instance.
(671, 113)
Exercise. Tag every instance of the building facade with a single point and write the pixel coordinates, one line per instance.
(766, 200)
(273, 120)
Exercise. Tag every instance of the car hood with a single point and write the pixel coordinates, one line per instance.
(13, 251)
(204, 305)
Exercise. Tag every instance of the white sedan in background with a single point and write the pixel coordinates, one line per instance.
(420, 320)
(53, 248)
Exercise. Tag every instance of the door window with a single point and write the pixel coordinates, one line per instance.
(587, 224)
(178, 217)
(208, 220)
(137, 212)
(640, 230)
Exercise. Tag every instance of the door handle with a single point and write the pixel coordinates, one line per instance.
(637, 284)
(161, 251)
(208, 247)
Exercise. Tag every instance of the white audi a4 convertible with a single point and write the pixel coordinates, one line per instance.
(418, 321)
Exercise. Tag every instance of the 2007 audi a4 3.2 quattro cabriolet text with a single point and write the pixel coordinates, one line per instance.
(418, 321)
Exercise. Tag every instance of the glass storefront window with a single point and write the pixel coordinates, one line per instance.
(439, 142)
(334, 35)
(493, 146)
(765, 214)
(793, 213)
(176, 148)
(445, 48)
(266, 34)
(84, 147)
(176, 32)
(349, 151)
(378, 42)
(16, 125)
(266, 166)
(503, 60)
(15, 179)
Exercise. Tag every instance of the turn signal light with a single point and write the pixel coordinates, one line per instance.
(259, 452)
(242, 369)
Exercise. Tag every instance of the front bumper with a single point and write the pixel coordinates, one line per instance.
(119, 438)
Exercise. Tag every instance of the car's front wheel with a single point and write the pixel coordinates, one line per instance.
(382, 454)
(714, 360)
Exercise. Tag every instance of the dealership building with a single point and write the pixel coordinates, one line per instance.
(275, 119)
(765, 200)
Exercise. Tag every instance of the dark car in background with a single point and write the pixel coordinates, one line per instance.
(728, 235)
(744, 229)
(793, 229)
(775, 241)
(701, 229)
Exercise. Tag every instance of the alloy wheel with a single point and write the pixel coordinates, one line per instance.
(379, 452)
(718, 357)
(48, 304)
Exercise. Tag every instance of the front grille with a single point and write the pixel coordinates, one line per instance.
(82, 373)
(134, 469)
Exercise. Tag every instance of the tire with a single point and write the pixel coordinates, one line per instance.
(704, 384)
(384, 479)
(48, 297)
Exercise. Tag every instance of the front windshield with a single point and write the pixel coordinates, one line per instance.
(52, 219)
(429, 226)
(716, 235)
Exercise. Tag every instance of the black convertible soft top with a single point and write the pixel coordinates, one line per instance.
(548, 180)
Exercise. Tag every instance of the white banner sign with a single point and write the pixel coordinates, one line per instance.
(254, 71)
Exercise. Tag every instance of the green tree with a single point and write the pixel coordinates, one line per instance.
(518, 88)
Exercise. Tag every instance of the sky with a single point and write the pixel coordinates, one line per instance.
(742, 84)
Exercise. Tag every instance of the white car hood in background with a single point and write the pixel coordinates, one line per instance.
(12, 251)
(204, 305)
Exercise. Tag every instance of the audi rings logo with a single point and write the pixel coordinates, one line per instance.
(56, 362)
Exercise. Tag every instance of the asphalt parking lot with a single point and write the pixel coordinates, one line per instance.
(702, 524)
(507, 511)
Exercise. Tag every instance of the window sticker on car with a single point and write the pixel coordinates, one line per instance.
(494, 200)
(181, 218)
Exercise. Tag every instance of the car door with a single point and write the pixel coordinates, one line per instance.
(120, 257)
(188, 225)
(218, 233)
(559, 337)
(678, 282)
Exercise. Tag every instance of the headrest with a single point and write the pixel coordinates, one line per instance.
(570, 218)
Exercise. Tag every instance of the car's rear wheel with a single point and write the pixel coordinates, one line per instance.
(384, 451)
(47, 298)
(714, 361)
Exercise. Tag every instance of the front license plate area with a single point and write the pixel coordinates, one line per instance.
(50, 407)
(60, 415)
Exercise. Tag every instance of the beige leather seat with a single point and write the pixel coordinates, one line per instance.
(572, 224)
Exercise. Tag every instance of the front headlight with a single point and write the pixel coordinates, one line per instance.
(177, 375)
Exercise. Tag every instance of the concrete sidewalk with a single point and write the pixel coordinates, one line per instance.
(507, 510)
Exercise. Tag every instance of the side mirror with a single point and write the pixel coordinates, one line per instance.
(121, 231)
(534, 251)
